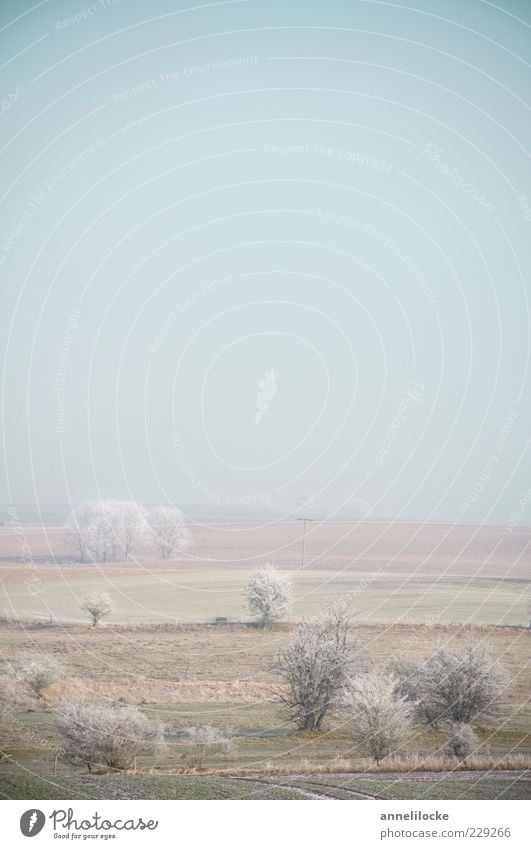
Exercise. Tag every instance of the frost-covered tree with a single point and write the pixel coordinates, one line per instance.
(315, 667)
(102, 543)
(268, 594)
(170, 533)
(413, 683)
(453, 686)
(38, 671)
(106, 735)
(106, 531)
(379, 718)
(78, 529)
(97, 605)
(132, 527)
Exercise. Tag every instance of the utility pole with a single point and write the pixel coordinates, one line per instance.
(303, 520)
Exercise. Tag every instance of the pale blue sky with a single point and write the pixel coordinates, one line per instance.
(335, 192)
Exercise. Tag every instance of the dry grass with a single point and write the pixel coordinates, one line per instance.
(236, 665)
(394, 764)
(161, 692)
(358, 766)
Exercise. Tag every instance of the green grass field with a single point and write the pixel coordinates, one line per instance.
(424, 787)
(160, 595)
(20, 785)
(27, 786)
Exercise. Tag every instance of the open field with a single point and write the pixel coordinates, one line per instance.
(158, 594)
(223, 676)
(391, 572)
(424, 786)
(463, 550)
(161, 650)
(20, 785)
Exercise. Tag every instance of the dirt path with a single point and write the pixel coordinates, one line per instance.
(353, 791)
(326, 790)
(322, 792)
(294, 789)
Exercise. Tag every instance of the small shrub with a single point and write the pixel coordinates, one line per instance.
(204, 741)
(380, 719)
(38, 671)
(11, 698)
(268, 594)
(462, 741)
(453, 687)
(106, 735)
(97, 605)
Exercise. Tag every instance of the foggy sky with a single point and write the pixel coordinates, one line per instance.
(252, 251)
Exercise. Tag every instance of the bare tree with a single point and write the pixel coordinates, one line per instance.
(314, 668)
(462, 740)
(119, 528)
(106, 735)
(97, 605)
(38, 671)
(90, 529)
(102, 543)
(268, 593)
(381, 720)
(459, 687)
(204, 741)
(78, 529)
(169, 530)
(132, 529)
(105, 531)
